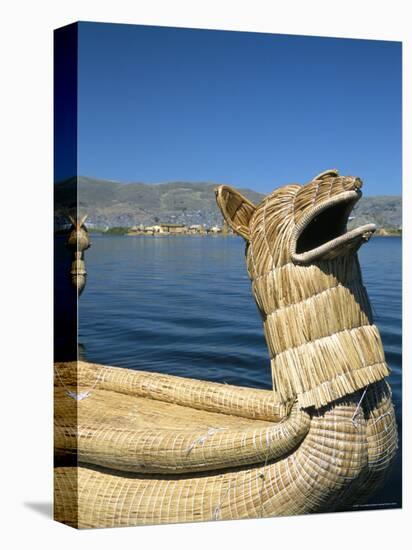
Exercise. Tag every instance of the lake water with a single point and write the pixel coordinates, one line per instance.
(183, 306)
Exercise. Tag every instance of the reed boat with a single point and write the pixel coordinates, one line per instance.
(135, 447)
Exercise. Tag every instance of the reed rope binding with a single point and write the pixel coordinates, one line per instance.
(307, 284)
(151, 448)
(142, 441)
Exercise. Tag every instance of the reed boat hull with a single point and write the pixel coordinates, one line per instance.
(144, 448)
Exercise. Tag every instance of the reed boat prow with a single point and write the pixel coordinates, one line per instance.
(136, 447)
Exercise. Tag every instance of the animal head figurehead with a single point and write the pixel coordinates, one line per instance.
(297, 223)
(307, 284)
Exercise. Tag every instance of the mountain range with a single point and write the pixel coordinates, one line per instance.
(114, 204)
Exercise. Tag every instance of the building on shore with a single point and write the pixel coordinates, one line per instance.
(173, 228)
(197, 229)
(215, 230)
(153, 229)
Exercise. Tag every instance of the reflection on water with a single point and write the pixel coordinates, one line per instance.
(183, 306)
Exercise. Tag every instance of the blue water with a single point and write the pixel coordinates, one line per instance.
(183, 306)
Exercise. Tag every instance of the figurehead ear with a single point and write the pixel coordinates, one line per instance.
(236, 209)
(326, 175)
(71, 220)
(83, 220)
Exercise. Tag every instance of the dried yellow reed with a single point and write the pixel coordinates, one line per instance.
(308, 288)
(328, 469)
(155, 448)
(137, 434)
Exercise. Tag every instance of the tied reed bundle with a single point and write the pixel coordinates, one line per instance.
(147, 448)
(340, 457)
(307, 284)
(138, 422)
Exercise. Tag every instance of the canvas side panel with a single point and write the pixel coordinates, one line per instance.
(65, 292)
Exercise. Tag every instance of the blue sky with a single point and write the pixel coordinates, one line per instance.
(251, 110)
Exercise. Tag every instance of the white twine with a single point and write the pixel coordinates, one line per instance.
(200, 440)
(218, 508)
(385, 426)
(79, 396)
(353, 419)
(260, 474)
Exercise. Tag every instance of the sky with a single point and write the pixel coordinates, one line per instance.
(252, 110)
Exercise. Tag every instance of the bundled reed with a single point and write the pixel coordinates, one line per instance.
(308, 287)
(139, 434)
(152, 448)
(325, 472)
(196, 394)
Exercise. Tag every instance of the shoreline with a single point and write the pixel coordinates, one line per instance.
(156, 235)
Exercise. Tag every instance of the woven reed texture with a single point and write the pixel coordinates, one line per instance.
(157, 448)
(329, 466)
(138, 434)
(197, 394)
(381, 436)
(317, 319)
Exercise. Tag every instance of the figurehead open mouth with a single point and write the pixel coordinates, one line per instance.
(322, 232)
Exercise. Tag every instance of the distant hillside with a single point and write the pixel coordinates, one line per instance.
(385, 211)
(120, 204)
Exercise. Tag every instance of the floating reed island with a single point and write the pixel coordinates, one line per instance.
(145, 448)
